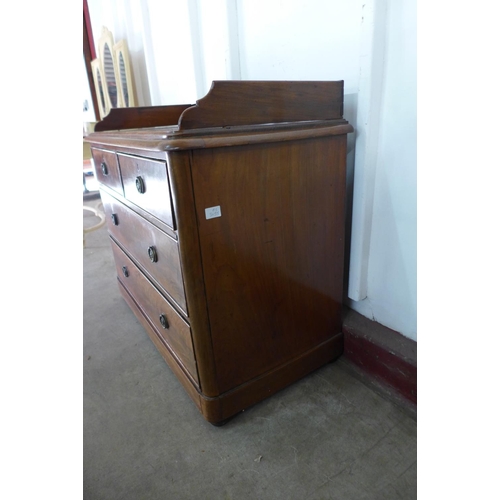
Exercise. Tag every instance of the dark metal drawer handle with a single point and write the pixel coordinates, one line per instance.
(104, 168)
(153, 256)
(125, 271)
(114, 219)
(163, 321)
(139, 184)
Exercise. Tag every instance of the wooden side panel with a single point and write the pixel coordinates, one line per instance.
(273, 259)
(233, 103)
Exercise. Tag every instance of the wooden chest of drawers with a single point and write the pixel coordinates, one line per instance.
(226, 220)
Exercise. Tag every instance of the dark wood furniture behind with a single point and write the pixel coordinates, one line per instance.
(226, 221)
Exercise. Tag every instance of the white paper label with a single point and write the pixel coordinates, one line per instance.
(212, 212)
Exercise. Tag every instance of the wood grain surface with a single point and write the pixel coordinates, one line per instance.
(273, 260)
(136, 235)
(156, 196)
(141, 117)
(106, 169)
(230, 103)
(153, 305)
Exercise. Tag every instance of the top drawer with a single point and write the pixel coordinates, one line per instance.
(145, 183)
(106, 169)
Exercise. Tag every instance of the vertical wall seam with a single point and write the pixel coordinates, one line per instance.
(371, 81)
(197, 49)
(233, 39)
(149, 55)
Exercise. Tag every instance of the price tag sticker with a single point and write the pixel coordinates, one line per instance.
(212, 212)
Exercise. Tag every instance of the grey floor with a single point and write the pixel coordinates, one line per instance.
(328, 436)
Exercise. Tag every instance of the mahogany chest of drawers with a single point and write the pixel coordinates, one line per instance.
(226, 220)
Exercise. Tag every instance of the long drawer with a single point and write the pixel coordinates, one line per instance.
(145, 183)
(167, 323)
(156, 252)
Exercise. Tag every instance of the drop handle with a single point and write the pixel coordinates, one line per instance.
(164, 321)
(125, 271)
(153, 256)
(104, 168)
(139, 184)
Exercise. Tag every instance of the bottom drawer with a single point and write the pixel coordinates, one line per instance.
(167, 323)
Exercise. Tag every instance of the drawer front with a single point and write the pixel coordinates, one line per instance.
(151, 248)
(167, 323)
(145, 183)
(106, 169)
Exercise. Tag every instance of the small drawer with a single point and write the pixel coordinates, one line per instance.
(167, 323)
(156, 252)
(145, 183)
(106, 169)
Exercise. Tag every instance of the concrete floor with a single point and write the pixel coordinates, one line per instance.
(328, 436)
